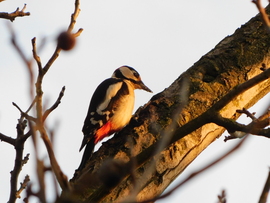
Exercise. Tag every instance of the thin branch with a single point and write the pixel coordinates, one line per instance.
(55, 105)
(24, 58)
(74, 16)
(245, 111)
(60, 176)
(256, 127)
(15, 14)
(78, 33)
(264, 195)
(19, 50)
(222, 197)
(23, 186)
(70, 28)
(264, 15)
(19, 161)
(25, 115)
(7, 139)
(196, 173)
(35, 55)
(251, 128)
(27, 135)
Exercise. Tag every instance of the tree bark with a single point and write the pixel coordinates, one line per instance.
(171, 125)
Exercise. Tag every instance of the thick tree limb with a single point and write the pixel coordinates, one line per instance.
(235, 60)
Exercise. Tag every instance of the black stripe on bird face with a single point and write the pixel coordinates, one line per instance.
(128, 73)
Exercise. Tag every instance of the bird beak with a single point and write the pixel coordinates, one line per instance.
(144, 87)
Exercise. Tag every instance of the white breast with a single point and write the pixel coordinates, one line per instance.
(124, 109)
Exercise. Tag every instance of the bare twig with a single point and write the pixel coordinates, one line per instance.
(196, 173)
(60, 176)
(264, 195)
(222, 197)
(70, 28)
(19, 161)
(39, 119)
(23, 114)
(264, 15)
(19, 50)
(41, 179)
(25, 60)
(78, 33)
(245, 111)
(256, 127)
(15, 14)
(35, 55)
(55, 105)
(25, 159)
(7, 139)
(23, 186)
(74, 16)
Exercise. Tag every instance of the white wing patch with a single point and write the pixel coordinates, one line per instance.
(94, 122)
(110, 93)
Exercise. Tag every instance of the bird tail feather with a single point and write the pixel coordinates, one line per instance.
(88, 151)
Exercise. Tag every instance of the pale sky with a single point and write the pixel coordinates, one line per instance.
(160, 39)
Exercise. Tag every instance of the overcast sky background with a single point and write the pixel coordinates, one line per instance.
(160, 39)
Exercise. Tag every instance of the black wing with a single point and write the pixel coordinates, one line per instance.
(99, 109)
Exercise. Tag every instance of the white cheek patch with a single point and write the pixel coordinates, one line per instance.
(128, 73)
(110, 93)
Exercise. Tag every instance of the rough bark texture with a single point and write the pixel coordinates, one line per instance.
(236, 59)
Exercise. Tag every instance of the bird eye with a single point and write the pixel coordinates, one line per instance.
(136, 74)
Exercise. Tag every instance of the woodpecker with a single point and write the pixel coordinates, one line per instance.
(110, 108)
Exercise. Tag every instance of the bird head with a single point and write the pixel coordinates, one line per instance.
(130, 74)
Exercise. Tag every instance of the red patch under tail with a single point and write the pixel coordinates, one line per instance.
(104, 131)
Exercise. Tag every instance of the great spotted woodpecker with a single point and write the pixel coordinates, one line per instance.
(110, 108)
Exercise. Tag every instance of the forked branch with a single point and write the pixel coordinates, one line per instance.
(15, 14)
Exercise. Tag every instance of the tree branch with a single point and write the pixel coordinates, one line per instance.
(196, 173)
(7, 139)
(70, 28)
(264, 15)
(55, 105)
(23, 186)
(240, 89)
(264, 195)
(35, 55)
(60, 176)
(215, 82)
(15, 14)
(19, 161)
(24, 114)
